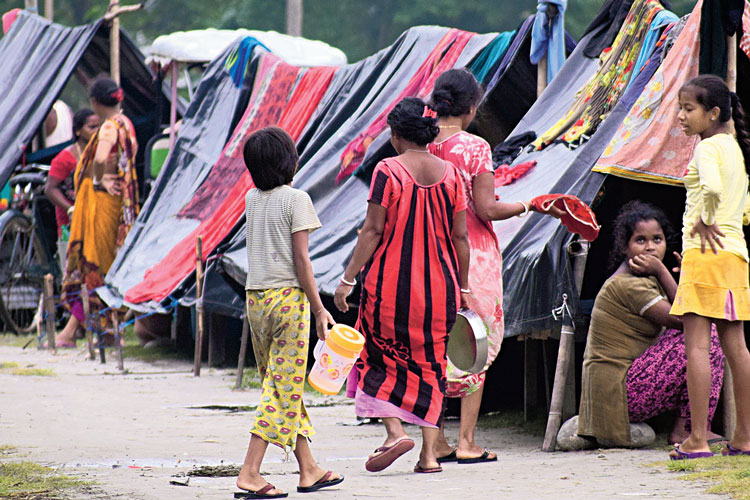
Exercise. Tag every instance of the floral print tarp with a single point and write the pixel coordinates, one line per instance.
(650, 145)
(280, 328)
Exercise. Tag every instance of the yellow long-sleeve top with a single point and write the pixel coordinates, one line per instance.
(717, 184)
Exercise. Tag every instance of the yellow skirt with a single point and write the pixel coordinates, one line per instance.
(713, 286)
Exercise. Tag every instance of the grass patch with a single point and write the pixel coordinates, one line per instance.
(13, 340)
(28, 480)
(6, 449)
(13, 368)
(729, 475)
(250, 379)
(513, 419)
(133, 350)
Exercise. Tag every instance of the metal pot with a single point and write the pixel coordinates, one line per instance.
(467, 343)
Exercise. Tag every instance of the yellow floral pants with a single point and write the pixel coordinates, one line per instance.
(279, 321)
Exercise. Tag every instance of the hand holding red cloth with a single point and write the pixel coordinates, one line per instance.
(577, 216)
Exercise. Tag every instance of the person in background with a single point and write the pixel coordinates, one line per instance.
(413, 252)
(714, 285)
(106, 206)
(281, 293)
(59, 187)
(634, 363)
(455, 98)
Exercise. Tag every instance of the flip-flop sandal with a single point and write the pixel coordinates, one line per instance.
(484, 457)
(731, 451)
(261, 493)
(427, 470)
(717, 440)
(323, 482)
(450, 457)
(678, 454)
(386, 455)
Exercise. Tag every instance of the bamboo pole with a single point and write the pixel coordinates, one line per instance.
(729, 406)
(113, 14)
(541, 75)
(564, 357)
(31, 5)
(49, 10)
(243, 352)
(294, 17)
(118, 341)
(49, 301)
(198, 306)
(174, 69)
(87, 321)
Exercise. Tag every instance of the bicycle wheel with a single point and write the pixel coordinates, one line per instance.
(23, 264)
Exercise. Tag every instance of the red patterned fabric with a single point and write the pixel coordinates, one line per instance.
(577, 217)
(442, 58)
(745, 40)
(505, 174)
(219, 203)
(410, 291)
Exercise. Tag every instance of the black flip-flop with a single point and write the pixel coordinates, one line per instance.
(323, 482)
(484, 457)
(427, 470)
(450, 457)
(261, 493)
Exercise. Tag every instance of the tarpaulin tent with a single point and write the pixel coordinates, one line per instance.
(355, 97)
(38, 59)
(536, 268)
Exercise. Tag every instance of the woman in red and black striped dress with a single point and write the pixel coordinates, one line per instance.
(413, 252)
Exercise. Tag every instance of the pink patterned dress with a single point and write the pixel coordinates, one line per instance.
(473, 156)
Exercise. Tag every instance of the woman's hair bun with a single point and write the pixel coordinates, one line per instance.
(408, 121)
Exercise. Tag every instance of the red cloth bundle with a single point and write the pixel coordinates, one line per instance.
(577, 216)
(505, 174)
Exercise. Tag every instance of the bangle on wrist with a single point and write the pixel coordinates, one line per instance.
(95, 182)
(70, 210)
(465, 290)
(348, 283)
(319, 311)
(525, 209)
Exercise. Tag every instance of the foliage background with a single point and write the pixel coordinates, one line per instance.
(358, 27)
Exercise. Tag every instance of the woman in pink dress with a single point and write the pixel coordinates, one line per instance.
(455, 99)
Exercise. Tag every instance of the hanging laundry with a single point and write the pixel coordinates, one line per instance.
(506, 174)
(719, 20)
(548, 35)
(745, 40)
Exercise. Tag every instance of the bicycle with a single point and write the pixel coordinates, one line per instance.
(27, 250)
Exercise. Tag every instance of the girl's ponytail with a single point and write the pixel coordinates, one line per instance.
(740, 127)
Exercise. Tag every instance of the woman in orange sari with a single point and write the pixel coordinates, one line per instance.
(106, 204)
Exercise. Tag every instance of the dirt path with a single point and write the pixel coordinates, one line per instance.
(132, 434)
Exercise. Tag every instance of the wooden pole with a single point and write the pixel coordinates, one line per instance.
(118, 343)
(564, 357)
(198, 306)
(174, 67)
(49, 10)
(32, 6)
(541, 75)
(729, 406)
(87, 321)
(50, 310)
(114, 44)
(243, 353)
(113, 14)
(294, 17)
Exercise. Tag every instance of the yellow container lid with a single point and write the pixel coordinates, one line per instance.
(346, 337)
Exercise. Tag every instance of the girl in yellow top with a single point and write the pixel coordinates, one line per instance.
(714, 285)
